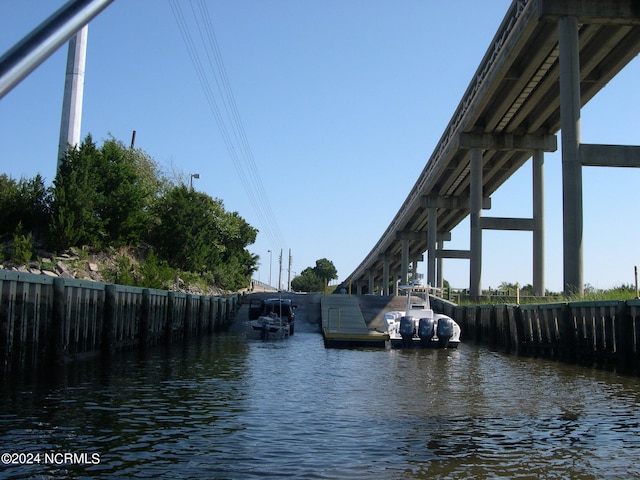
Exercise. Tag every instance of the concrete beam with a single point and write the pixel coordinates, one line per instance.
(498, 223)
(491, 141)
(388, 258)
(620, 12)
(609, 155)
(444, 237)
(409, 235)
(461, 203)
(464, 254)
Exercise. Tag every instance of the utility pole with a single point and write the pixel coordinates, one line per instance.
(289, 273)
(280, 272)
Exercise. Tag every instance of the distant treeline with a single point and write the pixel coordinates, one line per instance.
(113, 196)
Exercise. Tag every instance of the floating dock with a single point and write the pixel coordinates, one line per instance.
(343, 325)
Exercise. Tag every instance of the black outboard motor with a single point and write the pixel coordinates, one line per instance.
(264, 332)
(426, 327)
(444, 331)
(406, 330)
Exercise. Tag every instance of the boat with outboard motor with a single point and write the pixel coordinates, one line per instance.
(270, 319)
(267, 327)
(418, 325)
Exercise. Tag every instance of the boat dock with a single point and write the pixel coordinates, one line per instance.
(343, 325)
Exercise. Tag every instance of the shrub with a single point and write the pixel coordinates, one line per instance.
(22, 247)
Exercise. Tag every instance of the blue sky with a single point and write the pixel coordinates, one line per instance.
(341, 103)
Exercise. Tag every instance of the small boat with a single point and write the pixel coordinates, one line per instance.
(418, 325)
(270, 319)
(267, 327)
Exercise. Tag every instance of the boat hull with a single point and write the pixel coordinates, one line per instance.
(419, 343)
(266, 328)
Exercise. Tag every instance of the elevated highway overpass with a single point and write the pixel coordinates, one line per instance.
(547, 60)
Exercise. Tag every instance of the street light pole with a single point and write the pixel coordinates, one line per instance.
(269, 267)
(191, 177)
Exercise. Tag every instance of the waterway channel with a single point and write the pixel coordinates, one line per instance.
(222, 407)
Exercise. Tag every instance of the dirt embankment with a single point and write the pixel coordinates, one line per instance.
(98, 266)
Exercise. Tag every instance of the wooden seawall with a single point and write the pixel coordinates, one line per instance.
(46, 320)
(600, 332)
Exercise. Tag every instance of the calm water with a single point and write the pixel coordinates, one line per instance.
(225, 408)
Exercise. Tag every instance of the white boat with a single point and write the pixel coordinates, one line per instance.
(267, 327)
(418, 325)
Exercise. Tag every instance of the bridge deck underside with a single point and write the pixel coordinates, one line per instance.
(515, 91)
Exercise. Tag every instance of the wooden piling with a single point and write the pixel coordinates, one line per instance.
(52, 321)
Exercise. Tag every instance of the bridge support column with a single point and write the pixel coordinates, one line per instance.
(385, 276)
(475, 200)
(404, 262)
(371, 282)
(571, 164)
(440, 263)
(432, 235)
(395, 278)
(538, 223)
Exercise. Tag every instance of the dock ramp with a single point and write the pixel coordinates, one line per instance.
(343, 325)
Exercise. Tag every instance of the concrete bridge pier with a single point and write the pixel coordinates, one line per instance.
(537, 144)
(404, 263)
(432, 237)
(475, 205)
(439, 265)
(385, 276)
(571, 167)
(538, 223)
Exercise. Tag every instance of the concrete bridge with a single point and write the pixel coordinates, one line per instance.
(547, 60)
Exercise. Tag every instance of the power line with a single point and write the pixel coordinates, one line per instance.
(228, 117)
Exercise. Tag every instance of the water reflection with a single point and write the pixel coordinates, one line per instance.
(224, 408)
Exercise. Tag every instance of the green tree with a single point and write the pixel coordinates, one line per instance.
(325, 270)
(9, 201)
(24, 202)
(115, 196)
(74, 218)
(314, 279)
(307, 281)
(103, 196)
(194, 232)
(126, 187)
